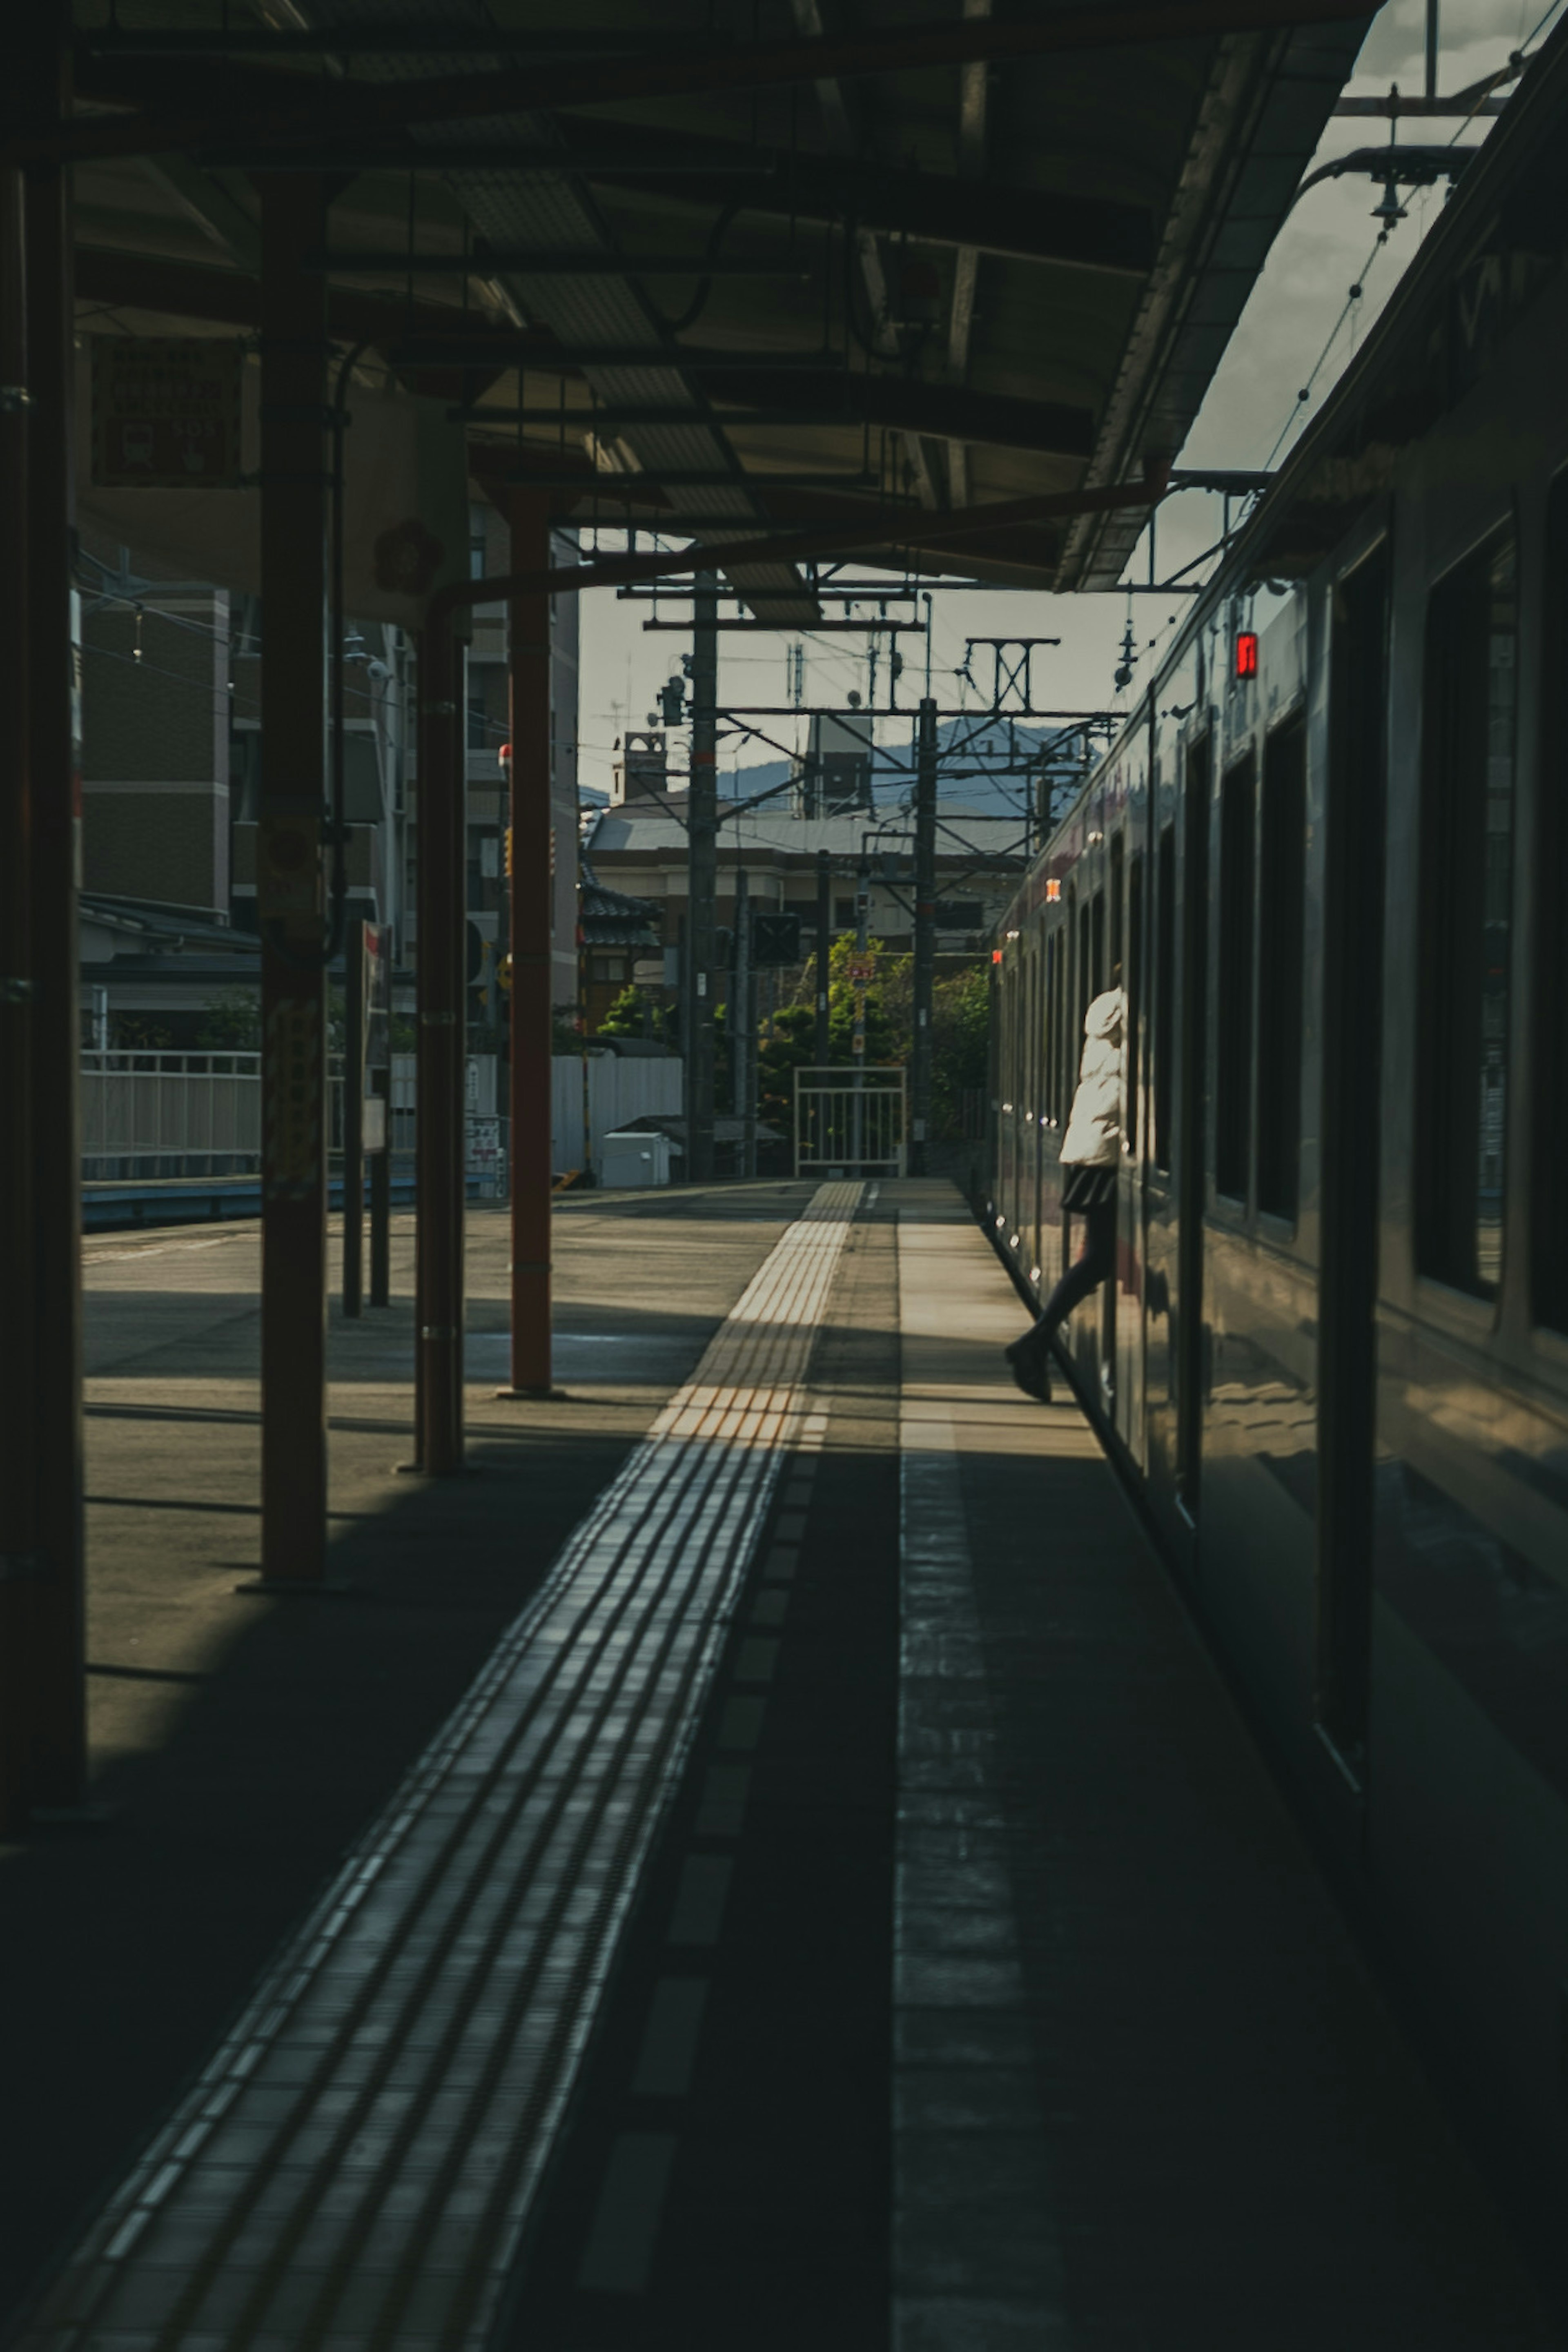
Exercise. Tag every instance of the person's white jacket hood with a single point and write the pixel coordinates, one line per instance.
(1093, 1138)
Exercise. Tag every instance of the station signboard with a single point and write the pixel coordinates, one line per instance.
(166, 412)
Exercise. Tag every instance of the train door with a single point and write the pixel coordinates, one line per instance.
(1352, 1038)
(1112, 977)
(1192, 1128)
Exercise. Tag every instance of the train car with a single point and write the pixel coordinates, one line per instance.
(1329, 854)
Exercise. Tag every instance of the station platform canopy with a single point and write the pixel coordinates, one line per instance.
(726, 271)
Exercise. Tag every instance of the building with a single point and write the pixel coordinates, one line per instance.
(172, 756)
(640, 848)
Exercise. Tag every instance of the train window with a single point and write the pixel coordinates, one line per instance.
(1467, 881)
(1165, 993)
(1118, 862)
(1132, 980)
(1085, 973)
(1549, 1227)
(1233, 1072)
(1096, 944)
(1282, 884)
(1053, 1018)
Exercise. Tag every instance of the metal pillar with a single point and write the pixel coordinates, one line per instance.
(20, 1302)
(46, 1687)
(354, 1117)
(858, 1033)
(702, 847)
(925, 936)
(824, 950)
(290, 883)
(530, 918)
(438, 1277)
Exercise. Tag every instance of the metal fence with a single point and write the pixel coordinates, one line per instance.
(848, 1120)
(149, 1115)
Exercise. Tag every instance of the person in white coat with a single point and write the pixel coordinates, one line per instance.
(1091, 1148)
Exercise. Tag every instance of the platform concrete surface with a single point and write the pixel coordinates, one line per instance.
(240, 1744)
(969, 1987)
(1148, 2096)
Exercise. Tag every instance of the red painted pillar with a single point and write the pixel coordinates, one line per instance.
(290, 887)
(532, 991)
(439, 1136)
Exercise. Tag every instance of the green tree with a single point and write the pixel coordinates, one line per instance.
(961, 1035)
(635, 1014)
(231, 1022)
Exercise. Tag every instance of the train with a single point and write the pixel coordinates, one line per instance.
(1326, 856)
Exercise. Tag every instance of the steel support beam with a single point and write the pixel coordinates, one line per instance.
(528, 516)
(702, 880)
(291, 868)
(439, 1272)
(242, 112)
(925, 937)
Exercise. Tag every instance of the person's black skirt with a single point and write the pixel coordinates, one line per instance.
(1087, 1187)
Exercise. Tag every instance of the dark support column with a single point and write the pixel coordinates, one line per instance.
(438, 1306)
(925, 937)
(52, 1631)
(381, 1199)
(290, 883)
(703, 842)
(530, 910)
(824, 947)
(354, 1117)
(20, 1298)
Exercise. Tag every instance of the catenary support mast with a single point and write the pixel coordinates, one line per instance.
(925, 937)
(702, 841)
(530, 819)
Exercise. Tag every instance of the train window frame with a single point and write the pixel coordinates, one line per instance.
(1163, 1057)
(1548, 984)
(1132, 991)
(1464, 1023)
(1235, 981)
(1282, 961)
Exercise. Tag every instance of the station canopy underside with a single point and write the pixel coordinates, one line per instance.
(728, 271)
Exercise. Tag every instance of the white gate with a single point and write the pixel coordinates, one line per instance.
(849, 1121)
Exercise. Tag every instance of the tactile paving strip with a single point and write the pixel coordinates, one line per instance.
(354, 2168)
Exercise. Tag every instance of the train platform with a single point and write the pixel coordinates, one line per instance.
(765, 1860)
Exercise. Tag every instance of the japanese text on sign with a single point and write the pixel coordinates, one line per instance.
(165, 414)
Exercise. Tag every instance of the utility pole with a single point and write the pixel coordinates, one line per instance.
(702, 849)
(925, 935)
(858, 1038)
(824, 942)
(742, 1028)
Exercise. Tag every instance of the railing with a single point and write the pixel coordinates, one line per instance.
(148, 1114)
(850, 1119)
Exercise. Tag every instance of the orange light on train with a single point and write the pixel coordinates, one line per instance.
(1247, 654)
(1053, 889)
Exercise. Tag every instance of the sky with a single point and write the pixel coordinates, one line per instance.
(1250, 419)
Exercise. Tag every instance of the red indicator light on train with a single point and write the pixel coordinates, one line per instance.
(1053, 891)
(1247, 654)
(996, 955)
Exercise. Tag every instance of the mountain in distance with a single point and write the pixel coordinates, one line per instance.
(974, 754)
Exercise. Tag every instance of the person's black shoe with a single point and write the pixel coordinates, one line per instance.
(1029, 1367)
